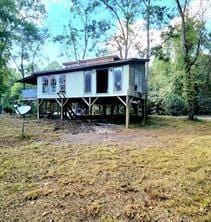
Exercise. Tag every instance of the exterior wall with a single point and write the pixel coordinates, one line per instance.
(75, 85)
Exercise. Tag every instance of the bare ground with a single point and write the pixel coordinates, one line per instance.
(74, 171)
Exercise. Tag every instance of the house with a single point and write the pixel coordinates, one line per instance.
(101, 82)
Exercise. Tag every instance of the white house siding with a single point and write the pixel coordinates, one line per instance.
(75, 85)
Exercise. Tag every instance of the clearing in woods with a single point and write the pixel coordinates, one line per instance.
(64, 171)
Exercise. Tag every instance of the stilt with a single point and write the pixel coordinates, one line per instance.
(144, 111)
(38, 109)
(90, 106)
(127, 117)
(62, 109)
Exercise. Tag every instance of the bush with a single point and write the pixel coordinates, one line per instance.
(203, 105)
(8, 109)
(155, 103)
(174, 105)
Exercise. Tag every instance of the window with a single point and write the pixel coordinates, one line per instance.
(117, 78)
(53, 84)
(137, 78)
(45, 84)
(62, 86)
(88, 81)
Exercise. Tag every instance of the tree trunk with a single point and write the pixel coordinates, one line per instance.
(189, 89)
(145, 113)
(191, 111)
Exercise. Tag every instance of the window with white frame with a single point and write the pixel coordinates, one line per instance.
(117, 72)
(62, 85)
(87, 81)
(53, 84)
(45, 84)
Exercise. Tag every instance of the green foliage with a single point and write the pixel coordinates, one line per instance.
(202, 70)
(170, 91)
(12, 93)
(29, 37)
(174, 105)
(18, 30)
(204, 104)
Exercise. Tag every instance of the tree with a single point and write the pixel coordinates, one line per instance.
(28, 36)
(12, 91)
(202, 71)
(166, 84)
(125, 13)
(52, 66)
(15, 15)
(7, 23)
(83, 31)
(191, 43)
(28, 42)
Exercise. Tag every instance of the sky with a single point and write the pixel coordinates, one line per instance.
(58, 12)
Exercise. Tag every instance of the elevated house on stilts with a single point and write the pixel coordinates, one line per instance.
(93, 87)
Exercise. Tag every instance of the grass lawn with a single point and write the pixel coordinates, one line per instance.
(161, 172)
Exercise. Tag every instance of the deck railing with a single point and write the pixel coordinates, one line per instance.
(29, 94)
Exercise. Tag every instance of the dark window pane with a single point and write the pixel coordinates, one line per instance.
(88, 82)
(53, 84)
(45, 84)
(62, 87)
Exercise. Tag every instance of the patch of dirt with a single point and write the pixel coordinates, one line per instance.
(84, 132)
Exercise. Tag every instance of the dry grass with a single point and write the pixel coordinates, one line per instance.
(161, 172)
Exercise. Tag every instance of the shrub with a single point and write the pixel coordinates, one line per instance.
(174, 105)
(8, 109)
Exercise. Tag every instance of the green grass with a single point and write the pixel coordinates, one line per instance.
(44, 178)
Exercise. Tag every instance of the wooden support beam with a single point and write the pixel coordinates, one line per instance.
(62, 104)
(95, 100)
(131, 100)
(58, 102)
(127, 116)
(144, 111)
(62, 108)
(90, 106)
(39, 102)
(85, 101)
(65, 102)
(134, 102)
(90, 103)
(38, 109)
(122, 100)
